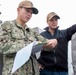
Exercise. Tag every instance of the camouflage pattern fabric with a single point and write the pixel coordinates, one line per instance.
(13, 38)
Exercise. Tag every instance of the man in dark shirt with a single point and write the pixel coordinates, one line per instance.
(54, 62)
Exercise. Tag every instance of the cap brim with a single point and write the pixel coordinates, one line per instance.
(56, 16)
(35, 10)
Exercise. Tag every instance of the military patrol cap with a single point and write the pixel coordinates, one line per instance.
(28, 4)
(51, 15)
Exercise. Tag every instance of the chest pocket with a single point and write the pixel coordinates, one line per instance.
(20, 34)
(30, 35)
(17, 33)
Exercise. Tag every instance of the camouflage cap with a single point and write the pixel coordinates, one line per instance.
(28, 4)
(51, 15)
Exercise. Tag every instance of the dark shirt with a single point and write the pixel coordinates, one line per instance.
(56, 59)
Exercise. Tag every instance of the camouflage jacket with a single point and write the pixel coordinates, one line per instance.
(13, 38)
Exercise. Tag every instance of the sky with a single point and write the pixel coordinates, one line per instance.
(64, 8)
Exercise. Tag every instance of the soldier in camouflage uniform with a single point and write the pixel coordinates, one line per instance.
(14, 35)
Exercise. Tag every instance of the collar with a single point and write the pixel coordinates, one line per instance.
(47, 28)
(18, 25)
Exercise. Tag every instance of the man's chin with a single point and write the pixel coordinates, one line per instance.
(54, 28)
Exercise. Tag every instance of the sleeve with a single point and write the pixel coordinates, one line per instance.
(43, 40)
(7, 45)
(70, 31)
(40, 37)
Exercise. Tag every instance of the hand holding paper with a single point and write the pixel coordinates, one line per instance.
(24, 54)
(51, 43)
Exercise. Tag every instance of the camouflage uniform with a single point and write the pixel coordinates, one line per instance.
(13, 38)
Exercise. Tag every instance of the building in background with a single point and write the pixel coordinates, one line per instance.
(37, 29)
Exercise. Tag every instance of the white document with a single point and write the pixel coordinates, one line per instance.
(37, 47)
(23, 55)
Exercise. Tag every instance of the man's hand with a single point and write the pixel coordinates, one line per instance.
(51, 43)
